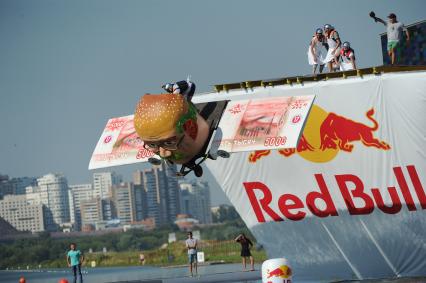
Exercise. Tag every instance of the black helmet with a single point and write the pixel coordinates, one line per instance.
(346, 45)
(318, 31)
(328, 26)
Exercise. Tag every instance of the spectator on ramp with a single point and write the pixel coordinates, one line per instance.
(317, 51)
(394, 31)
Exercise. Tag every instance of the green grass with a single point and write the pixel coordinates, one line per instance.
(174, 254)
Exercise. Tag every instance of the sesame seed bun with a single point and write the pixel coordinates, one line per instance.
(156, 115)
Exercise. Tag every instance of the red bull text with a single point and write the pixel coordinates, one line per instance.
(351, 188)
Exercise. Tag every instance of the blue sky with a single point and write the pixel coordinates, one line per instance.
(68, 66)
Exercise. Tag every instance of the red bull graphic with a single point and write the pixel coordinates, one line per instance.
(282, 272)
(276, 270)
(358, 199)
(326, 134)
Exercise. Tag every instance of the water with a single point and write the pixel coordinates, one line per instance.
(114, 274)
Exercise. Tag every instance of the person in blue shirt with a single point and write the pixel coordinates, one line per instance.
(75, 259)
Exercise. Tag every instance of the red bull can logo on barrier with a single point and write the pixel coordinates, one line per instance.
(327, 133)
(276, 270)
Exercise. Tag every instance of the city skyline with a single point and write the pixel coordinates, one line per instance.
(152, 199)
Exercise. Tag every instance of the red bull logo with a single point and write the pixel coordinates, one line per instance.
(326, 134)
(283, 271)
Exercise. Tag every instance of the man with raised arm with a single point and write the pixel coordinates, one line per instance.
(394, 31)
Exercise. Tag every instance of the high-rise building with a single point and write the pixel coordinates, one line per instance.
(15, 186)
(140, 196)
(151, 182)
(22, 215)
(172, 192)
(162, 193)
(77, 194)
(5, 186)
(141, 211)
(102, 183)
(53, 189)
(195, 200)
(19, 184)
(91, 211)
(123, 198)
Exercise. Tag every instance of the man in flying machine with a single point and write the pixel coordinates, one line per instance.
(171, 127)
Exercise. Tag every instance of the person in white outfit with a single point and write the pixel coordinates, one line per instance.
(347, 57)
(317, 51)
(334, 43)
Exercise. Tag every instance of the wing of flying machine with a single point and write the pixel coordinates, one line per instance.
(169, 128)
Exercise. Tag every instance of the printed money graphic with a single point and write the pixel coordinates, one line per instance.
(246, 125)
(118, 145)
(257, 124)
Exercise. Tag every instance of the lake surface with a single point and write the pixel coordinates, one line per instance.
(209, 273)
(116, 274)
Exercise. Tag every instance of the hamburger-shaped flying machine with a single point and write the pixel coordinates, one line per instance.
(169, 128)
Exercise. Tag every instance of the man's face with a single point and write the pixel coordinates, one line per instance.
(72, 247)
(189, 235)
(165, 145)
(392, 20)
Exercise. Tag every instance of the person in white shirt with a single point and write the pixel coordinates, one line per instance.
(394, 31)
(347, 57)
(334, 43)
(191, 245)
(317, 51)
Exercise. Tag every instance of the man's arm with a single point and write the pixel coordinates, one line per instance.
(353, 62)
(238, 238)
(377, 19)
(311, 48)
(68, 261)
(407, 34)
(338, 42)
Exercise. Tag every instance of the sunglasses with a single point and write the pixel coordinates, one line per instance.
(169, 144)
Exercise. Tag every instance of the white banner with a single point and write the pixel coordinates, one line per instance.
(349, 202)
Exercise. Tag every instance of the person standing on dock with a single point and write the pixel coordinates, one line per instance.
(245, 250)
(75, 259)
(191, 245)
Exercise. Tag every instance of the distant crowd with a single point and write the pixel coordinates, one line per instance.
(326, 47)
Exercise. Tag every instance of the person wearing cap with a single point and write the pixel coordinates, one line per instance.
(347, 57)
(394, 31)
(171, 127)
(334, 43)
(317, 51)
